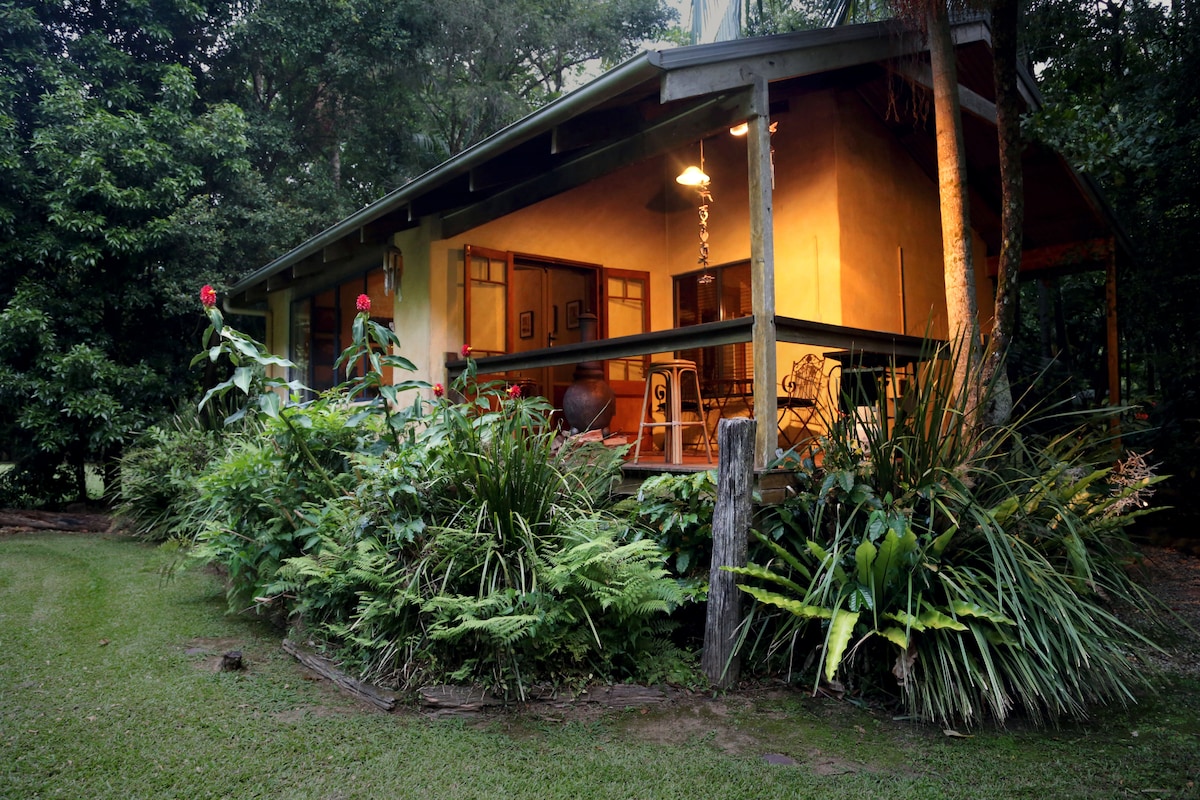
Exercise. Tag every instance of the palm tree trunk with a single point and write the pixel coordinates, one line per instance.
(962, 306)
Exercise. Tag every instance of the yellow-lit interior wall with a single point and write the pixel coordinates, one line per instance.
(421, 331)
(617, 221)
(807, 232)
(892, 276)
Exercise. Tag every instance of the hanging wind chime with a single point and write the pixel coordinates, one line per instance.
(693, 176)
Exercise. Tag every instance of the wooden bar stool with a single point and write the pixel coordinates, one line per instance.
(674, 379)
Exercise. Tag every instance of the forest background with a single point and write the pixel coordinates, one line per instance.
(149, 148)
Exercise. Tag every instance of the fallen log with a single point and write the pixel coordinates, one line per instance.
(375, 695)
(467, 700)
(448, 700)
(54, 521)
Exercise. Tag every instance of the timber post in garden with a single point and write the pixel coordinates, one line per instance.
(730, 531)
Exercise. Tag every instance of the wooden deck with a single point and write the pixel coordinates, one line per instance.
(772, 485)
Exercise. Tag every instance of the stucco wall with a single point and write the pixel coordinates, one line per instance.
(807, 232)
(892, 275)
(416, 326)
(617, 222)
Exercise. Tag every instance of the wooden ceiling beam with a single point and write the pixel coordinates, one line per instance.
(702, 79)
(1072, 256)
(595, 127)
(686, 125)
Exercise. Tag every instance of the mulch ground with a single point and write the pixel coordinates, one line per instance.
(1174, 578)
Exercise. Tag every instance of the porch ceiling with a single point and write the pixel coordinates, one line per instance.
(1062, 207)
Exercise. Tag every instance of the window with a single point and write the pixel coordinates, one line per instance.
(726, 296)
(627, 312)
(322, 325)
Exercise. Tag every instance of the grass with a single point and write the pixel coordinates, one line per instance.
(107, 689)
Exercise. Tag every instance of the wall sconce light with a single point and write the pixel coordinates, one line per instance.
(696, 178)
(742, 128)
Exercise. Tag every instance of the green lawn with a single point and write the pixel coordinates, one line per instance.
(107, 690)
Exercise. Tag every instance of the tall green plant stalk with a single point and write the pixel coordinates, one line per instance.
(376, 346)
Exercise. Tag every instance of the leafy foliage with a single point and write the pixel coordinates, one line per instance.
(979, 571)
(1121, 102)
(158, 489)
(678, 509)
(146, 148)
(65, 406)
(458, 541)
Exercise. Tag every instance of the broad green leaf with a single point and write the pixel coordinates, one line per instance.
(932, 618)
(999, 636)
(399, 362)
(897, 636)
(786, 603)
(785, 555)
(242, 376)
(841, 628)
(269, 403)
(1005, 509)
(893, 553)
(962, 608)
(864, 557)
(939, 544)
(906, 619)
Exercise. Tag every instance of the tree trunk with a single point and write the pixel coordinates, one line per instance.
(962, 305)
(1005, 21)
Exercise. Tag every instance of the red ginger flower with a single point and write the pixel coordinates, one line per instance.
(363, 303)
(438, 390)
(208, 296)
(514, 391)
(465, 351)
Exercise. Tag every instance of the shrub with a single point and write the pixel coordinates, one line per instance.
(159, 473)
(678, 509)
(251, 505)
(452, 541)
(480, 552)
(973, 572)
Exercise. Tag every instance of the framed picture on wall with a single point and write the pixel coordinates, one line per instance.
(526, 324)
(573, 309)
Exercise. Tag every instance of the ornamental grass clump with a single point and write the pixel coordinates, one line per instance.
(972, 572)
(445, 540)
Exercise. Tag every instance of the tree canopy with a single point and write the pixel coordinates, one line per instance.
(149, 148)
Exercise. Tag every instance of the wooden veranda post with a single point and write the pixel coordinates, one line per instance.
(1112, 340)
(730, 530)
(762, 269)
